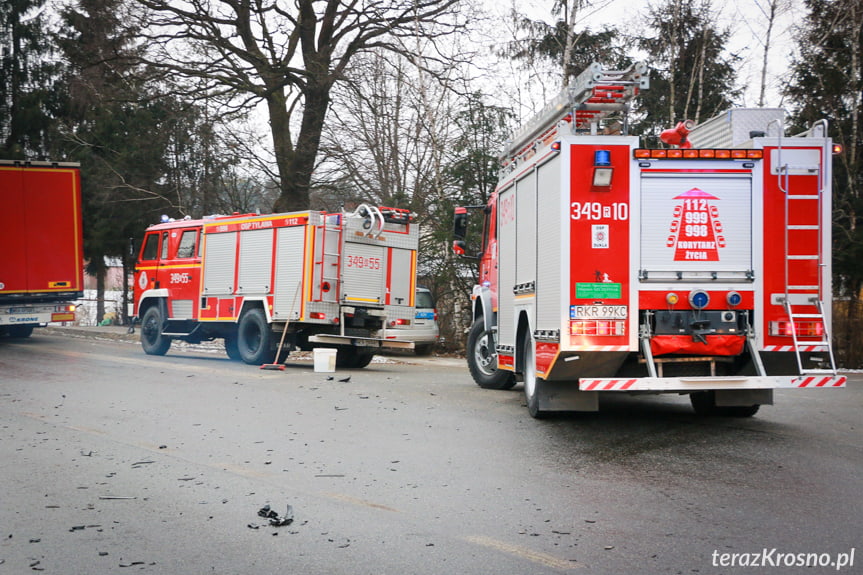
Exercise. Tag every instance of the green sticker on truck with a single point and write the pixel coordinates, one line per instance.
(603, 290)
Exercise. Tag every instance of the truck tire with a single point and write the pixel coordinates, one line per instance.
(20, 331)
(152, 325)
(482, 360)
(704, 403)
(532, 383)
(424, 349)
(232, 347)
(255, 338)
(352, 358)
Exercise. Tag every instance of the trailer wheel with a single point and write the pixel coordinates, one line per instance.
(152, 340)
(20, 331)
(704, 403)
(232, 347)
(532, 383)
(482, 359)
(255, 338)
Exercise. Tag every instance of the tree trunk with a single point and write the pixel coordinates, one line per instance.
(770, 20)
(297, 164)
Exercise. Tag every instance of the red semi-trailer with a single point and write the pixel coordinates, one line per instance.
(41, 261)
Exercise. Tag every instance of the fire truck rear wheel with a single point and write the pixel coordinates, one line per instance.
(704, 403)
(152, 340)
(352, 358)
(255, 338)
(531, 382)
(482, 359)
(232, 347)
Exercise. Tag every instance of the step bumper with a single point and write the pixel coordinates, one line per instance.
(684, 384)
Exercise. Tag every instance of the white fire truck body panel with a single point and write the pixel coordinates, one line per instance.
(218, 274)
(289, 267)
(552, 219)
(665, 213)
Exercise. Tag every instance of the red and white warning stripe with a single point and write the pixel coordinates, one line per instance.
(606, 384)
(820, 381)
(704, 383)
(789, 348)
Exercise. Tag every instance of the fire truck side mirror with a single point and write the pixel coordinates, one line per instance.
(460, 225)
(459, 245)
(132, 253)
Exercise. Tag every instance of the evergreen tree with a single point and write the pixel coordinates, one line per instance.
(119, 143)
(692, 75)
(569, 49)
(827, 83)
(29, 100)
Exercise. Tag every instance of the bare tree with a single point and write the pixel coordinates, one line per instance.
(771, 10)
(286, 55)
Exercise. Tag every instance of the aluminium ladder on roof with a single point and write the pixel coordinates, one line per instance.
(594, 95)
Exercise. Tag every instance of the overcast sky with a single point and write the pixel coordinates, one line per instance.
(745, 18)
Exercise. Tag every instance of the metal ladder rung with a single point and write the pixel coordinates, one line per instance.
(806, 315)
(803, 257)
(818, 372)
(802, 288)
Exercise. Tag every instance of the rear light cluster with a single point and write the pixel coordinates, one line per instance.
(400, 322)
(597, 327)
(801, 328)
(690, 154)
(321, 315)
(64, 312)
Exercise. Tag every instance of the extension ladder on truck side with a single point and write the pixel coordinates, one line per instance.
(804, 250)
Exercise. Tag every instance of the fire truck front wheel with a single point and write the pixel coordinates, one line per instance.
(255, 338)
(482, 359)
(152, 340)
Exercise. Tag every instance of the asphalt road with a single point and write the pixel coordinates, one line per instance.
(118, 462)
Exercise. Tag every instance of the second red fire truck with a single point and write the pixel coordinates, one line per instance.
(291, 280)
(701, 269)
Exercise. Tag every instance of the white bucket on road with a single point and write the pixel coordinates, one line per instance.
(325, 359)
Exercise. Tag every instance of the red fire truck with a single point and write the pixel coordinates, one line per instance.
(699, 269)
(41, 260)
(290, 280)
